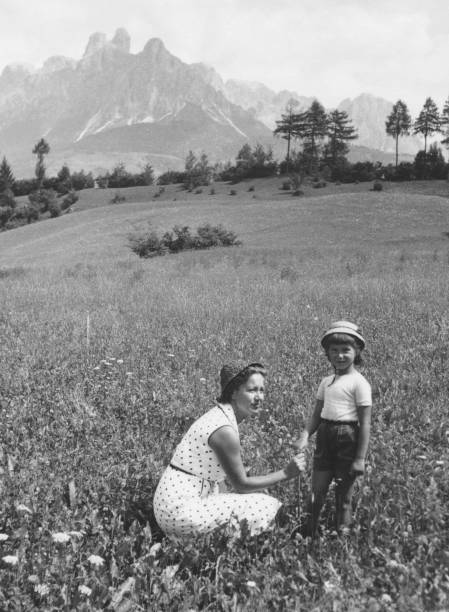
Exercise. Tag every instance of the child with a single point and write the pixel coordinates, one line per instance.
(342, 419)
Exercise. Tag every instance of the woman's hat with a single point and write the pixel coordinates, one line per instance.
(231, 370)
(343, 327)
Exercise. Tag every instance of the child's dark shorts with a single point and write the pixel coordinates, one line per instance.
(336, 446)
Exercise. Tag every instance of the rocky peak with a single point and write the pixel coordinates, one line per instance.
(56, 63)
(96, 42)
(122, 40)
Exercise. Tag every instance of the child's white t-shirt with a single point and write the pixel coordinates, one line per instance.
(342, 395)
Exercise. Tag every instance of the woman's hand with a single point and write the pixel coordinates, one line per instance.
(296, 466)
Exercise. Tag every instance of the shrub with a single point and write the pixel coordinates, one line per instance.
(212, 191)
(286, 186)
(69, 200)
(181, 239)
(298, 192)
(54, 208)
(251, 188)
(318, 184)
(377, 186)
(198, 191)
(117, 199)
(233, 192)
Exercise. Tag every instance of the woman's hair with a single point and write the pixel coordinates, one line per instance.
(237, 381)
(339, 338)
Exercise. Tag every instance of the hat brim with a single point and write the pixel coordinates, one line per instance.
(342, 330)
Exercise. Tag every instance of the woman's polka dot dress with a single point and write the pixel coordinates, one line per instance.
(187, 500)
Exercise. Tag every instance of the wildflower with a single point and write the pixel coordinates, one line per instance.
(84, 590)
(3, 537)
(202, 380)
(23, 508)
(76, 534)
(251, 584)
(386, 598)
(439, 462)
(155, 549)
(422, 457)
(33, 578)
(120, 361)
(42, 589)
(11, 559)
(96, 368)
(61, 537)
(170, 355)
(96, 560)
(129, 373)
(329, 586)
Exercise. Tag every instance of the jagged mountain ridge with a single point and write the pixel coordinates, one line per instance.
(73, 103)
(112, 106)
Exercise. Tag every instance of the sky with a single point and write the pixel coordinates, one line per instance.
(329, 49)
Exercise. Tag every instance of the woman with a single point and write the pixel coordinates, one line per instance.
(187, 500)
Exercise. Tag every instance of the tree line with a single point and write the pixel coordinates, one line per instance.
(429, 122)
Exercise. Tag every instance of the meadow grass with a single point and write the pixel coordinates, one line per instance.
(106, 360)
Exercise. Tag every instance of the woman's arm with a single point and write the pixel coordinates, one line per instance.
(364, 415)
(227, 448)
(311, 426)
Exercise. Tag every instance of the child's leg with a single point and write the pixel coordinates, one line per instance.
(343, 501)
(320, 485)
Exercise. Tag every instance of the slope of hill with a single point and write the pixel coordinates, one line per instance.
(370, 221)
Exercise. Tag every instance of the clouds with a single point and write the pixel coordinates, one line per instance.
(328, 48)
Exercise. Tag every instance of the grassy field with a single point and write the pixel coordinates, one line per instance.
(106, 359)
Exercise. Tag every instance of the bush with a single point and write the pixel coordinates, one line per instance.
(233, 192)
(117, 199)
(251, 188)
(286, 186)
(181, 239)
(69, 200)
(377, 186)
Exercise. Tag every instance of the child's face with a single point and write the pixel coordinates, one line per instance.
(341, 356)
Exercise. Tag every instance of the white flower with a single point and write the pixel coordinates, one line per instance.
(84, 590)
(170, 355)
(96, 368)
(61, 537)
(42, 589)
(129, 373)
(3, 537)
(439, 462)
(202, 380)
(422, 457)
(329, 586)
(119, 361)
(23, 508)
(251, 584)
(155, 549)
(96, 560)
(76, 534)
(386, 598)
(11, 559)
(33, 579)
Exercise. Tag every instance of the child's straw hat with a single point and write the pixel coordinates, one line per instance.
(343, 327)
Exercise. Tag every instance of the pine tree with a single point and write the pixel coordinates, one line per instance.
(445, 123)
(428, 121)
(41, 149)
(7, 179)
(286, 127)
(340, 131)
(398, 123)
(312, 126)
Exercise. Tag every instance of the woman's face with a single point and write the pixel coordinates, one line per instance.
(248, 398)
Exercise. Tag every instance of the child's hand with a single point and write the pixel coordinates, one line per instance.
(358, 467)
(302, 443)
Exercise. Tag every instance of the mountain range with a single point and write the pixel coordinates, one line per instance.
(151, 107)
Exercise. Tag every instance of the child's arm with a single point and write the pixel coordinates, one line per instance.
(364, 415)
(311, 426)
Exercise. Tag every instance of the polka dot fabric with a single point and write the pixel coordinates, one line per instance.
(191, 503)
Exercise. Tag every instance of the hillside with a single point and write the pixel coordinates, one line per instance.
(265, 219)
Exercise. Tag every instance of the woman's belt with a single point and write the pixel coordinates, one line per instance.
(339, 422)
